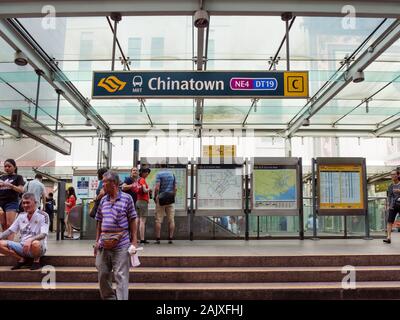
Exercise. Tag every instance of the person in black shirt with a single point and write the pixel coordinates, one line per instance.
(130, 185)
(49, 208)
(11, 185)
(393, 193)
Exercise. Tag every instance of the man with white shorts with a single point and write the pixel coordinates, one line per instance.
(33, 225)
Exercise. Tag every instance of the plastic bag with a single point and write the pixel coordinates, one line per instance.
(135, 262)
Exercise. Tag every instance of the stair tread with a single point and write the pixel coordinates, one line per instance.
(217, 269)
(209, 286)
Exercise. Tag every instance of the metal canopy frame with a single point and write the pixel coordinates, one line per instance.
(64, 8)
(18, 40)
(385, 40)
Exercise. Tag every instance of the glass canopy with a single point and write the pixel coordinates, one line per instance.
(81, 45)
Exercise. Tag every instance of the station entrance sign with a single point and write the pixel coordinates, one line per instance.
(199, 84)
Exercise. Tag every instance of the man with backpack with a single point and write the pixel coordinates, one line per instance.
(164, 197)
(393, 202)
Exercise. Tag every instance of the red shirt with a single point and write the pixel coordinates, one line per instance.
(142, 195)
(72, 202)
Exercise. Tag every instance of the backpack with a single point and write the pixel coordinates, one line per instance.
(396, 204)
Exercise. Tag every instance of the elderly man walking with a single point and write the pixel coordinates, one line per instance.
(116, 232)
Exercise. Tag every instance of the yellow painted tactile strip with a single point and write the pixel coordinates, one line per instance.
(208, 286)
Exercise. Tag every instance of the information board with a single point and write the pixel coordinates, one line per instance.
(340, 187)
(274, 187)
(219, 187)
(85, 186)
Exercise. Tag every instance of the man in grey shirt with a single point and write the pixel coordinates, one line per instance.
(392, 193)
(37, 188)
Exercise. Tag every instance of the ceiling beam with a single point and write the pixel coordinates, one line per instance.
(74, 8)
(8, 129)
(388, 127)
(384, 41)
(16, 38)
(346, 133)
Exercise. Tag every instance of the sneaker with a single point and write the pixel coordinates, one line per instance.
(144, 241)
(157, 241)
(36, 266)
(170, 241)
(387, 241)
(19, 265)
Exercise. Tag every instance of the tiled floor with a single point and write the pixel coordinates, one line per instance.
(241, 247)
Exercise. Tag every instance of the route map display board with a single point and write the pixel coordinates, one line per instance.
(219, 187)
(340, 187)
(274, 187)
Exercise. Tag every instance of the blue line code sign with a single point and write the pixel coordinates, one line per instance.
(253, 83)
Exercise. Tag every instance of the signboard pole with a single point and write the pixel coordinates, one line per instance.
(367, 226)
(345, 227)
(247, 194)
(135, 153)
(300, 199)
(60, 210)
(191, 209)
(314, 199)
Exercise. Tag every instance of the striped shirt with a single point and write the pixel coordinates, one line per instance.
(166, 180)
(115, 216)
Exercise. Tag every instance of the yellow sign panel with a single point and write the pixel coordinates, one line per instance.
(382, 186)
(341, 187)
(219, 151)
(296, 84)
(112, 84)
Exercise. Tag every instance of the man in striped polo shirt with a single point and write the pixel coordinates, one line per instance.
(116, 232)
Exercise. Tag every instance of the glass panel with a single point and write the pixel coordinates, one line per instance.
(270, 226)
(259, 37)
(82, 38)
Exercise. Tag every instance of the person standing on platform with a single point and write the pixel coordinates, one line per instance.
(11, 185)
(99, 191)
(69, 204)
(33, 225)
(130, 185)
(36, 187)
(142, 203)
(393, 203)
(165, 187)
(116, 233)
(49, 208)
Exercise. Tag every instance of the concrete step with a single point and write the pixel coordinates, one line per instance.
(209, 291)
(210, 275)
(231, 261)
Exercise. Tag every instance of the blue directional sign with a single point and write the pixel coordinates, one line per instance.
(199, 84)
